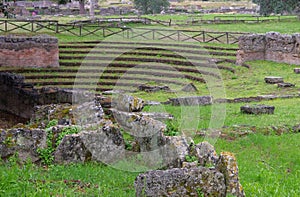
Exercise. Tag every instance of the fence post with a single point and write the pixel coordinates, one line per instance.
(103, 32)
(153, 34)
(178, 35)
(80, 29)
(32, 27)
(56, 28)
(203, 33)
(5, 25)
(227, 37)
(170, 22)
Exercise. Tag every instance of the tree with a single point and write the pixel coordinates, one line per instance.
(268, 7)
(151, 6)
(81, 7)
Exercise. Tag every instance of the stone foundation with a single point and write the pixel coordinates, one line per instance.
(271, 46)
(23, 51)
(20, 98)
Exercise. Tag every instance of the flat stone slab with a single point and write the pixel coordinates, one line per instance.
(191, 101)
(149, 88)
(273, 80)
(258, 109)
(285, 85)
(181, 182)
(297, 70)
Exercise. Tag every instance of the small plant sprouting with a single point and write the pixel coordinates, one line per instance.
(66, 131)
(46, 154)
(172, 128)
(190, 158)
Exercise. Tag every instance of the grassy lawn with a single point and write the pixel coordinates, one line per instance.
(268, 166)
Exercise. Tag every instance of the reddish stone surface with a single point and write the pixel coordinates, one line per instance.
(36, 51)
(271, 46)
(33, 57)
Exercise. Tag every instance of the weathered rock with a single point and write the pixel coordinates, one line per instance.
(24, 142)
(175, 151)
(181, 182)
(128, 103)
(190, 101)
(44, 113)
(147, 132)
(157, 115)
(285, 85)
(258, 109)
(149, 88)
(273, 80)
(36, 51)
(88, 114)
(105, 145)
(71, 150)
(227, 165)
(205, 153)
(151, 103)
(189, 88)
(297, 70)
(296, 128)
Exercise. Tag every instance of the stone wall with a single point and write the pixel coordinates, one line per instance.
(19, 98)
(23, 51)
(270, 46)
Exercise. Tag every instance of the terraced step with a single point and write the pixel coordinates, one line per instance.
(88, 64)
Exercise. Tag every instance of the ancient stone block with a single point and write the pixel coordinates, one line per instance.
(273, 80)
(175, 151)
(71, 150)
(271, 46)
(297, 70)
(24, 142)
(189, 88)
(205, 153)
(127, 103)
(105, 144)
(181, 182)
(190, 101)
(285, 85)
(149, 88)
(36, 51)
(258, 109)
(227, 165)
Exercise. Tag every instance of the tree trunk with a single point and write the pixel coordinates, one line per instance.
(92, 11)
(81, 7)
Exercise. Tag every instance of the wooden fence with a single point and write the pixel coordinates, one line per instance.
(86, 29)
(221, 20)
(181, 35)
(52, 26)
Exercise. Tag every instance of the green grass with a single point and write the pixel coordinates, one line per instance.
(287, 27)
(268, 165)
(285, 114)
(90, 179)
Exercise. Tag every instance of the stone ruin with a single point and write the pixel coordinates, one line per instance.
(209, 174)
(257, 109)
(20, 98)
(23, 51)
(270, 46)
(101, 139)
